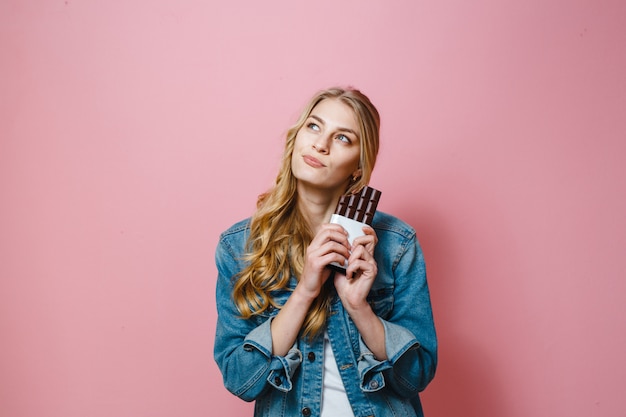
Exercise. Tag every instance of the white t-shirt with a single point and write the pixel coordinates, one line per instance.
(334, 399)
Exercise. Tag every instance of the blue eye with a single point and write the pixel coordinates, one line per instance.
(343, 138)
(313, 126)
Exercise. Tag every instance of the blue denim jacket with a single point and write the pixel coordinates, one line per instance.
(291, 385)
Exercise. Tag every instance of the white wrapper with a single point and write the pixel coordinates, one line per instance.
(354, 229)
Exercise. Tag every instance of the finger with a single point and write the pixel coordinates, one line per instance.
(360, 268)
(369, 239)
(369, 231)
(334, 233)
(362, 259)
(334, 247)
(360, 252)
(333, 258)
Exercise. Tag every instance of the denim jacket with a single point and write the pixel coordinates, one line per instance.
(291, 385)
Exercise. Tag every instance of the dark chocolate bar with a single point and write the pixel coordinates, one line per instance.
(361, 206)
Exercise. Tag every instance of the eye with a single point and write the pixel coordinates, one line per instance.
(313, 126)
(344, 138)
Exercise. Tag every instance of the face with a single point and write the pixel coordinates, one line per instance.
(327, 148)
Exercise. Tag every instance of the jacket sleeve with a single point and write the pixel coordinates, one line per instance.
(410, 338)
(243, 348)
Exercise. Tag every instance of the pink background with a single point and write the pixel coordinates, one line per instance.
(133, 132)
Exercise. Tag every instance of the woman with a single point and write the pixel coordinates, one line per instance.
(292, 334)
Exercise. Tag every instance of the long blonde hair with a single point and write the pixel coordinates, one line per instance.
(279, 234)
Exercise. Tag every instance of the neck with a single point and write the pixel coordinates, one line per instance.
(317, 206)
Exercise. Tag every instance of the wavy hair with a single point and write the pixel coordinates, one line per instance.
(280, 235)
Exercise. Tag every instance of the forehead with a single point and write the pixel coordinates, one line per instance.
(335, 112)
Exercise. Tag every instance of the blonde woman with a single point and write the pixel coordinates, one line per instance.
(293, 335)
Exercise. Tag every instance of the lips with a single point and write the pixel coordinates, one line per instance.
(314, 162)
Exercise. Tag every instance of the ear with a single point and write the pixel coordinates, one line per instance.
(356, 174)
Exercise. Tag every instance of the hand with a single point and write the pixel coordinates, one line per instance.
(329, 245)
(355, 285)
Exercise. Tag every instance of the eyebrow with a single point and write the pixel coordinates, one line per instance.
(342, 129)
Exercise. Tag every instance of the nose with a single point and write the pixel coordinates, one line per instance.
(321, 144)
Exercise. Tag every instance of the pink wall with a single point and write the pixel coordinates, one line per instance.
(132, 133)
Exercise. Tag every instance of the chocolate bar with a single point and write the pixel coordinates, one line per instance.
(360, 207)
(352, 212)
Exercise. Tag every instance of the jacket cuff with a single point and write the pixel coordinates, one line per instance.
(398, 340)
(281, 368)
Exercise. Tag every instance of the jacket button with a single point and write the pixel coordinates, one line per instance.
(311, 356)
(374, 384)
(277, 381)
(306, 411)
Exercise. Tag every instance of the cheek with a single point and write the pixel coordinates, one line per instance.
(297, 146)
(301, 137)
(353, 162)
